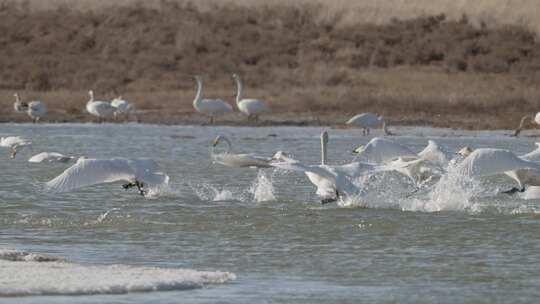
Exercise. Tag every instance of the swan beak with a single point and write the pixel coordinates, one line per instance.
(215, 142)
(358, 149)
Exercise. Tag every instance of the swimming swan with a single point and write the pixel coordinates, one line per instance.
(139, 172)
(237, 160)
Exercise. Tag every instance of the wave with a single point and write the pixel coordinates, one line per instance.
(25, 276)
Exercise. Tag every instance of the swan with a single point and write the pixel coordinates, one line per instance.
(535, 119)
(332, 182)
(416, 166)
(121, 106)
(237, 160)
(138, 172)
(50, 157)
(487, 162)
(14, 143)
(100, 109)
(36, 110)
(210, 107)
(18, 105)
(250, 107)
(366, 121)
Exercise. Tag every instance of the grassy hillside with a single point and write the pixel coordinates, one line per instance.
(431, 69)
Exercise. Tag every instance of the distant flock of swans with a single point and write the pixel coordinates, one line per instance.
(334, 183)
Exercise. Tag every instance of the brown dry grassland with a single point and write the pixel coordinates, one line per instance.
(310, 63)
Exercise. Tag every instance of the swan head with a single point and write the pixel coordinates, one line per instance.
(235, 76)
(358, 149)
(324, 136)
(280, 155)
(465, 151)
(216, 140)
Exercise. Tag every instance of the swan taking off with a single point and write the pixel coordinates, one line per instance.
(367, 121)
(210, 107)
(488, 162)
(36, 110)
(50, 157)
(121, 106)
(18, 105)
(332, 182)
(139, 172)
(100, 109)
(237, 160)
(250, 107)
(14, 143)
(535, 119)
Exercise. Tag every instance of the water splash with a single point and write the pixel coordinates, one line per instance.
(207, 192)
(262, 188)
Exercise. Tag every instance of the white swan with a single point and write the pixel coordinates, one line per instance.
(535, 119)
(210, 107)
(18, 105)
(250, 107)
(121, 106)
(237, 160)
(100, 109)
(533, 155)
(332, 182)
(139, 172)
(14, 143)
(487, 162)
(36, 110)
(417, 167)
(366, 121)
(50, 157)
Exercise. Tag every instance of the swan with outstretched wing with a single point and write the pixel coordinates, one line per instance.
(141, 173)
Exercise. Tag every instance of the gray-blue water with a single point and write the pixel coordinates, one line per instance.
(242, 236)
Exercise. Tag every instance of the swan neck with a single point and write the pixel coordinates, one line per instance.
(198, 95)
(522, 124)
(385, 128)
(324, 158)
(17, 98)
(229, 145)
(239, 89)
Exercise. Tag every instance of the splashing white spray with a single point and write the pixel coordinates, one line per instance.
(263, 188)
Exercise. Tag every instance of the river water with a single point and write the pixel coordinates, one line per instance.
(229, 235)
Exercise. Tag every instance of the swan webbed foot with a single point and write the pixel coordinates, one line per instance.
(514, 190)
(330, 199)
(140, 186)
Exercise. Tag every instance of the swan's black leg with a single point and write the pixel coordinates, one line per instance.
(514, 190)
(140, 186)
(330, 200)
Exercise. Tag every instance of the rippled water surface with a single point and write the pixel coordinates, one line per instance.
(242, 236)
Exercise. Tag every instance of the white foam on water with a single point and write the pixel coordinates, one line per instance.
(208, 192)
(263, 188)
(26, 277)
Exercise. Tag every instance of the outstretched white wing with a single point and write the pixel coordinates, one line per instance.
(87, 172)
(241, 160)
(381, 150)
(435, 154)
(486, 162)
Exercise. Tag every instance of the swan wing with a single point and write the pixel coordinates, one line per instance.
(48, 156)
(533, 155)
(87, 172)
(381, 150)
(486, 162)
(435, 154)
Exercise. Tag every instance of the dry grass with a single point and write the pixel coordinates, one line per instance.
(431, 70)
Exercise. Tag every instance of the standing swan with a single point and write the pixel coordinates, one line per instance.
(100, 109)
(19, 106)
(121, 107)
(210, 107)
(366, 121)
(250, 107)
(36, 110)
(535, 119)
